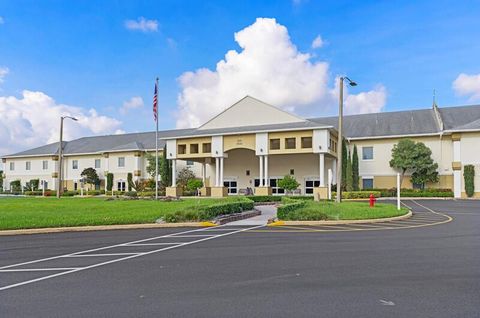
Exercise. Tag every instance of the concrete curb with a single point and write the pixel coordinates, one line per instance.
(105, 228)
(341, 222)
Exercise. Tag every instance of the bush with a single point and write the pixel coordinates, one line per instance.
(358, 194)
(264, 198)
(288, 183)
(430, 192)
(288, 199)
(70, 193)
(194, 184)
(284, 210)
(131, 194)
(129, 181)
(469, 175)
(15, 186)
(36, 193)
(109, 181)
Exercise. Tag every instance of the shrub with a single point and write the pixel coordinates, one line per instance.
(131, 194)
(70, 193)
(36, 192)
(288, 199)
(109, 181)
(284, 210)
(212, 211)
(469, 175)
(264, 198)
(288, 183)
(443, 193)
(129, 181)
(15, 186)
(358, 194)
(194, 184)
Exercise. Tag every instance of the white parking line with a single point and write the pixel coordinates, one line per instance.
(100, 255)
(153, 244)
(118, 259)
(38, 269)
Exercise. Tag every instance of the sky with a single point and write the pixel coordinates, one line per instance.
(98, 60)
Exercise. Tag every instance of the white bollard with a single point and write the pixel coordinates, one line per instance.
(398, 191)
(330, 181)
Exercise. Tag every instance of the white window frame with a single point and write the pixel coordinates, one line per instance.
(368, 178)
(12, 166)
(28, 165)
(99, 163)
(118, 162)
(227, 183)
(45, 164)
(75, 164)
(122, 188)
(373, 153)
(315, 180)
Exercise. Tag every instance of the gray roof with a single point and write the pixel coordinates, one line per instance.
(411, 122)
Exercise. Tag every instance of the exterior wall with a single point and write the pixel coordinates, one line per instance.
(385, 177)
(469, 147)
(36, 171)
(191, 141)
(289, 134)
(239, 141)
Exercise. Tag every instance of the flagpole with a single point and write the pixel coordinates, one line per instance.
(156, 146)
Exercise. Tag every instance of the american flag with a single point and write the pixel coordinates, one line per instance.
(155, 102)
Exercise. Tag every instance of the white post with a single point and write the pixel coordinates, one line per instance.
(261, 171)
(267, 184)
(204, 173)
(174, 173)
(221, 173)
(334, 171)
(322, 169)
(81, 190)
(43, 188)
(330, 180)
(217, 171)
(398, 191)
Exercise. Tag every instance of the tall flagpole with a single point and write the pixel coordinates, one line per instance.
(156, 141)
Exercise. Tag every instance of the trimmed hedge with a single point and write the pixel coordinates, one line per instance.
(357, 194)
(264, 198)
(285, 209)
(443, 193)
(469, 175)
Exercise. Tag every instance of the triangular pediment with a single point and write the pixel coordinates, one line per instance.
(250, 111)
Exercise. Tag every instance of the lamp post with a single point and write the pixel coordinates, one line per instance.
(60, 155)
(340, 137)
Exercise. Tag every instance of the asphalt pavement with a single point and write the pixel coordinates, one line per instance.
(250, 271)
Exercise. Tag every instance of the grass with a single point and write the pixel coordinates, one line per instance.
(327, 210)
(27, 213)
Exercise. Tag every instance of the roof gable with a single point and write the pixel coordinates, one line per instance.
(250, 111)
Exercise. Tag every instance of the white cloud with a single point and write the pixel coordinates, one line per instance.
(268, 67)
(366, 102)
(33, 120)
(142, 24)
(134, 103)
(467, 85)
(3, 72)
(317, 42)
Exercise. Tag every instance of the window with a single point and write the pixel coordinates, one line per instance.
(75, 164)
(121, 186)
(367, 183)
(182, 149)
(97, 163)
(247, 172)
(12, 166)
(194, 148)
(292, 172)
(45, 164)
(274, 144)
(274, 186)
(207, 147)
(189, 163)
(419, 186)
(306, 142)
(290, 143)
(28, 165)
(332, 145)
(231, 185)
(367, 153)
(121, 162)
(310, 184)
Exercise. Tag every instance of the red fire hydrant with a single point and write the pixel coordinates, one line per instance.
(372, 200)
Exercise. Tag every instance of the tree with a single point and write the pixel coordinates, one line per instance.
(415, 158)
(129, 181)
(468, 177)
(349, 174)
(109, 181)
(184, 176)
(194, 184)
(165, 169)
(344, 164)
(355, 170)
(139, 185)
(15, 186)
(90, 176)
(288, 183)
(151, 165)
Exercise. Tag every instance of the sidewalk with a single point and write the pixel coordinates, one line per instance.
(268, 212)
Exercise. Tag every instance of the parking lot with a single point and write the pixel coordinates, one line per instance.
(426, 266)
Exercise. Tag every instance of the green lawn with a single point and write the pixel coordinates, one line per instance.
(342, 211)
(23, 213)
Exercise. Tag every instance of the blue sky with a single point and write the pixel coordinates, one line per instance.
(80, 53)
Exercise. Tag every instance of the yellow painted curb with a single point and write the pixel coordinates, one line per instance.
(105, 228)
(342, 222)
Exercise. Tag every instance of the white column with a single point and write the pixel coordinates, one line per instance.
(221, 172)
(174, 173)
(267, 184)
(334, 171)
(261, 170)
(217, 171)
(322, 169)
(457, 174)
(204, 173)
(137, 167)
(329, 183)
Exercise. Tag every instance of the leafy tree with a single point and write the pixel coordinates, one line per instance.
(90, 176)
(349, 174)
(344, 164)
(416, 158)
(468, 176)
(151, 165)
(32, 185)
(129, 181)
(15, 185)
(165, 169)
(194, 184)
(355, 170)
(184, 176)
(288, 183)
(109, 181)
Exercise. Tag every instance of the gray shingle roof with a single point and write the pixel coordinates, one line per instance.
(409, 122)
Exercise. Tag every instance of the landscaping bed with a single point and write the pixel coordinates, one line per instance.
(304, 210)
(25, 213)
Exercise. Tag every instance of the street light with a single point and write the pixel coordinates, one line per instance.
(340, 137)
(60, 150)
